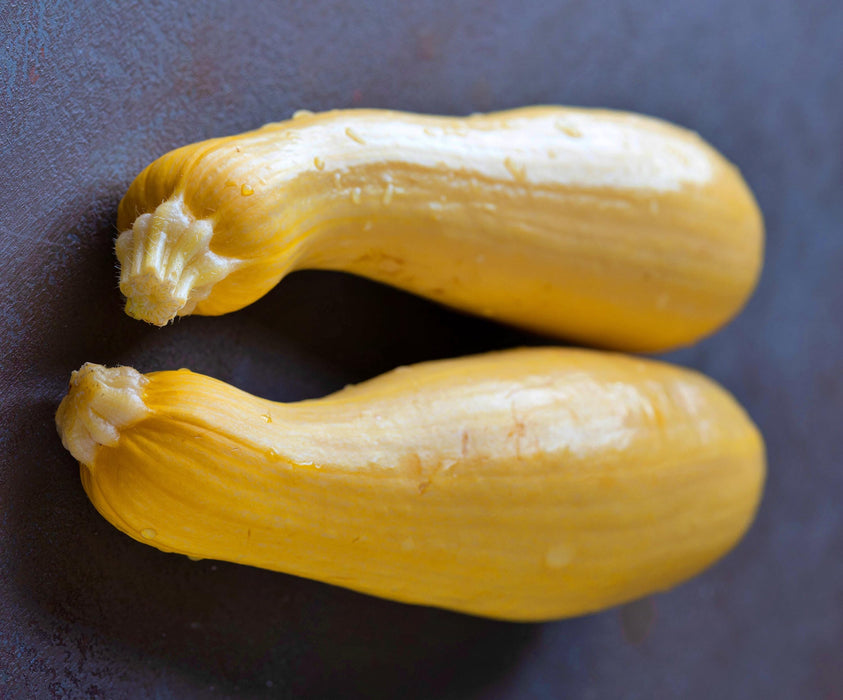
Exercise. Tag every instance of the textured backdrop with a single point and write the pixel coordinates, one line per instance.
(91, 92)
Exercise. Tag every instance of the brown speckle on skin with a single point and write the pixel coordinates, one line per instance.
(413, 464)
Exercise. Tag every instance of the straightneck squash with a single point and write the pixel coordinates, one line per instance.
(608, 228)
(527, 485)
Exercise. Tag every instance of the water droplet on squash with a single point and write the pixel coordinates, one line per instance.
(354, 136)
(148, 533)
(518, 172)
(318, 163)
(558, 556)
(446, 464)
(246, 190)
(569, 130)
(387, 194)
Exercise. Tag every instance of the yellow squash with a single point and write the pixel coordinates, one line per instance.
(525, 485)
(609, 228)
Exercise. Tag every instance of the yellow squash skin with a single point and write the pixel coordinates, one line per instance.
(609, 228)
(523, 485)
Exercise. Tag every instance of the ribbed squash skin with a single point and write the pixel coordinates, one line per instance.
(609, 228)
(526, 485)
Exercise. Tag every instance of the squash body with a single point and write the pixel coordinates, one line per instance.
(608, 228)
(524, 485)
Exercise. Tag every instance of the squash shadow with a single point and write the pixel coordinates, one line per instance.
(318, 331)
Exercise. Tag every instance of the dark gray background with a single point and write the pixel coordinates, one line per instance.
(91, 92)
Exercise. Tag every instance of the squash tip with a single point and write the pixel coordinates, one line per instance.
(166, 264)
(101, 402)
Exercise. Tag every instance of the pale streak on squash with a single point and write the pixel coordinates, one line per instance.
(609, 228)
(526, 485)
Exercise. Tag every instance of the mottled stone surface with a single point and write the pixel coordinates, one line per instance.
(88, 97)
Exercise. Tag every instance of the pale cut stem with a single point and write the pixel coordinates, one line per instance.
(100, 403)
(166, 264)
